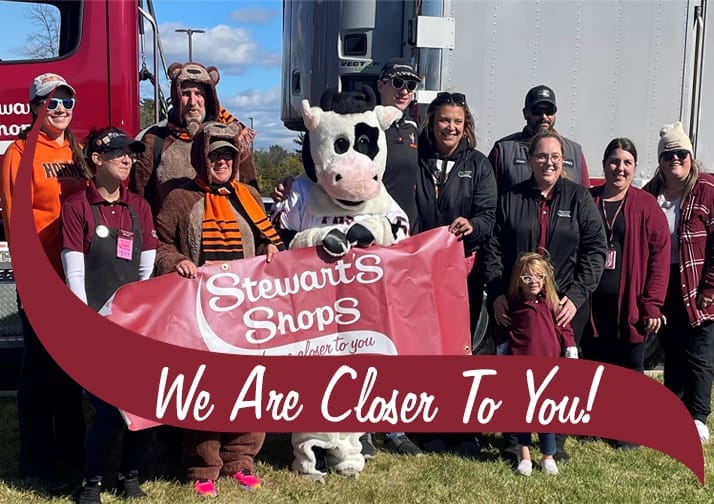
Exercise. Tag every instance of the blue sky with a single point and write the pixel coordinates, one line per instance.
(243, 40)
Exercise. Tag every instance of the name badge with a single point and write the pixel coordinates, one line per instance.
(125, 244)
(610, 259)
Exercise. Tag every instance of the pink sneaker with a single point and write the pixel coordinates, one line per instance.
(247, 480)
(205, 488)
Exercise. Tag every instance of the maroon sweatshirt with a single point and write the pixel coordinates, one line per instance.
(533, 330)
(645, 262)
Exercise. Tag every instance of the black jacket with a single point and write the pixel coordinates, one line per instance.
(469, 191)
(400, 174)
(576, 238)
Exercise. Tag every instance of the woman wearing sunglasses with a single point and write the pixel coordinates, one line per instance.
(456, 188)
(686, 196)
(49, 402)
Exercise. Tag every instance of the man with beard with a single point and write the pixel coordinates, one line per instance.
(166, 163)
(509, 156)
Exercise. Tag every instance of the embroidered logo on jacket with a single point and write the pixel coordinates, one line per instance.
(564, 213)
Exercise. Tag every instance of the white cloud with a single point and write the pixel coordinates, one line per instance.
(264, 108)
(231, 50)
(253, 15)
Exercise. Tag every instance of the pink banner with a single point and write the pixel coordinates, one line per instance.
(408, 299)
(199, 389)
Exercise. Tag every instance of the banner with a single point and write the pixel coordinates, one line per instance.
(407, 299)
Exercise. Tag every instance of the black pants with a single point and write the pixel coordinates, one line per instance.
(49, 409)
(610, 346)
(689, 354)
(108, 425)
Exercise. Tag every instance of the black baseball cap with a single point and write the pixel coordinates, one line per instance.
(540, 94)
(115, 139)
(399, 67)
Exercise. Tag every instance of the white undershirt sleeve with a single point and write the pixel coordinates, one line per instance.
(146, 264)
(73, 264)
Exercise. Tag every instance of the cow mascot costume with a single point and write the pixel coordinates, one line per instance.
(338, 203)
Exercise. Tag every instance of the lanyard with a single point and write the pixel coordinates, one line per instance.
(610, 226)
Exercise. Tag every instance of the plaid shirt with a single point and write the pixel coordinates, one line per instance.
(696, 248)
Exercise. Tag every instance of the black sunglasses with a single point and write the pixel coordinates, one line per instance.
(669, 155)
(539, 110)
(225, 154)
(53, 103)
(398, 83)
(446, 97)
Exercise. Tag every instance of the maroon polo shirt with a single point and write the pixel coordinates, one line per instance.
(78, 224)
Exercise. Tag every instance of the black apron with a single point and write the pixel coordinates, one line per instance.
(104, 272)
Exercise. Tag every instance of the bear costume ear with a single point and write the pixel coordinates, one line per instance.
(310, 116)
(387, 115)
(213, 73)
(174, 70)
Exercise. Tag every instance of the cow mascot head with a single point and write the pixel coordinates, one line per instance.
(344, 156)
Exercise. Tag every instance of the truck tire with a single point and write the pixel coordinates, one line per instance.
(482, 342)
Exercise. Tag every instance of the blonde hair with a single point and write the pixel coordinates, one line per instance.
(536, 263)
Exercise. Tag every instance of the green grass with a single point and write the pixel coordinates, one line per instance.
(596, 474)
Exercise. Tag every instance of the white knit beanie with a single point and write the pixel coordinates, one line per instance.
(673, 137)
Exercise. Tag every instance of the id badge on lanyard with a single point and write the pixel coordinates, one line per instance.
(611, 254)
(125, 244)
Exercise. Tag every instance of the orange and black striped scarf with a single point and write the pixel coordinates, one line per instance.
(224, 117)
(220, 237)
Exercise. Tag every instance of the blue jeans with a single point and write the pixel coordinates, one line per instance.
(546, 440)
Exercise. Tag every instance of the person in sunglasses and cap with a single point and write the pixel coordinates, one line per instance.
(397, 85)
(108, 240)
(686, 196)
(51, 423)
(509, 155)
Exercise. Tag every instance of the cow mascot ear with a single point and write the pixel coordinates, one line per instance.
(344, 156)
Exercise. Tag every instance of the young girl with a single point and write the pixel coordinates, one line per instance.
(533, 302)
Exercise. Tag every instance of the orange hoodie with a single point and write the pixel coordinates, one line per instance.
(54, 177)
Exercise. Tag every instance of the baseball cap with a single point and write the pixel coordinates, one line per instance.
(540, 94)
(399, 67)
(115, 139)
(219, 144)
(44, 84)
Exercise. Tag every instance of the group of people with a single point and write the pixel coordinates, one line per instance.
(556, 258)
(116, 210)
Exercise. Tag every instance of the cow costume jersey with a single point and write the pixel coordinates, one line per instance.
(340, 202)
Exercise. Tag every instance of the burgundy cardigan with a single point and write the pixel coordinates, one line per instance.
(645, 265)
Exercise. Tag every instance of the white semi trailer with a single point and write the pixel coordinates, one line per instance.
(618, 68)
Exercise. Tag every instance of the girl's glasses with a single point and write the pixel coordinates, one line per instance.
(53, 103)
(531, 278)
